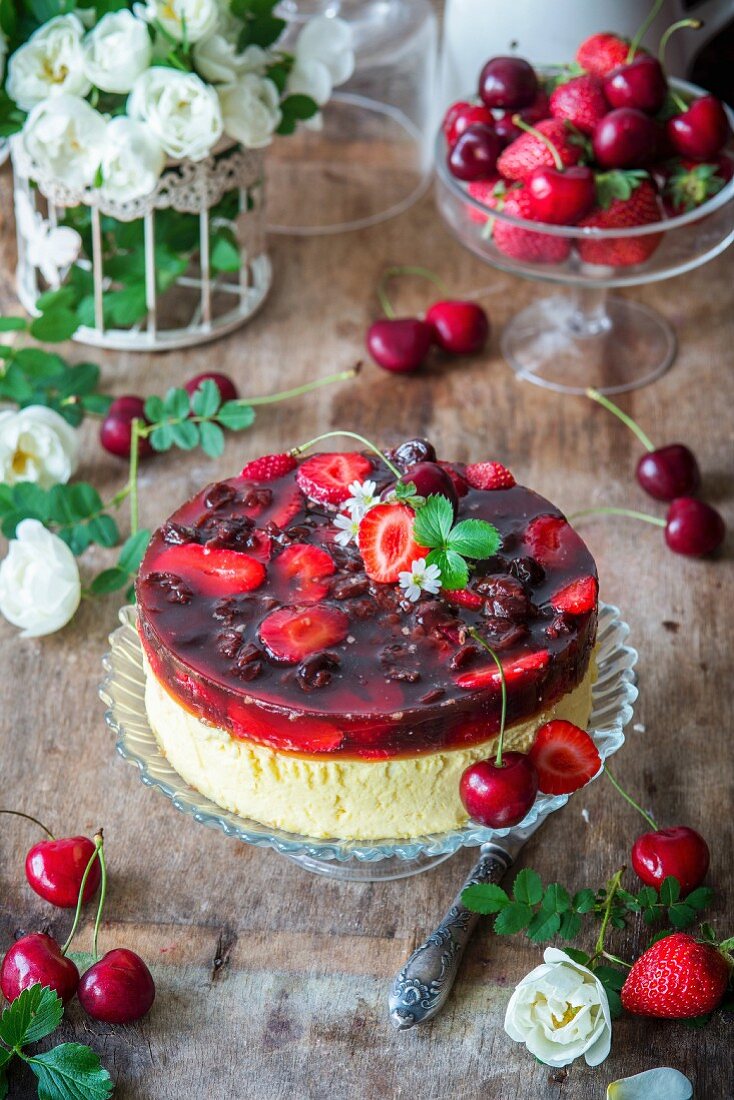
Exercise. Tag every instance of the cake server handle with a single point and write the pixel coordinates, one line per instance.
(422, 987)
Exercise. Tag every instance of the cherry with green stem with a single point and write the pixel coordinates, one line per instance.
(558, 194)
(692, 527)
(55, 866)
(498, 793)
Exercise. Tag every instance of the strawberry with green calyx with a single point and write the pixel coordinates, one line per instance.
(526, 245)
(626, 199)
(580, 101)
(533, 149)
(688, 184)
(679, 978)
(600, 53)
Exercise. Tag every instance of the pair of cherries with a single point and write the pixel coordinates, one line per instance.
(402, 344)
(67, 872)
(671, 474)
(115, 433)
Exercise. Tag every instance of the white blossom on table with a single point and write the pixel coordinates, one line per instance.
(50, 63)
(181, 110)
(37, 444)
(132, 160)
(50, 248)
(117, 51)
(420, 578)
(40, 588)
(64, 136)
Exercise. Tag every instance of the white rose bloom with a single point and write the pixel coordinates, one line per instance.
(64, 137)
(189, 20)
(50, 63)
(117, 51)
(323, 58)
(181, 110)
(40, 587)
(132, 160)
(36, 444)
(561, 1011)
(251, 110)
(217, 60)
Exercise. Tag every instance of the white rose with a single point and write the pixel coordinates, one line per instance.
(50, 63)
(40, 587)
(182, 19)
(217, 60)
(117, 51)
(181, 110)
(323, 58)
(560, 1011)
(64, 137)
(251, 110)
(36, 444)
(132, 160)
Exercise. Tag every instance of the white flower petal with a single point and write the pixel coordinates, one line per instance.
(36, 444)
(182, 112)
(662, 1083)
(116, 51)
(40, 588)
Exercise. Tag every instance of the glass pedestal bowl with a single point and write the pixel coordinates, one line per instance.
(568, 342)
(123, 693)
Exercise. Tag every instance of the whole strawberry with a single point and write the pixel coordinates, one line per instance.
(626, 199)
(580, 101)
(676, 978)
(689, 183)
(600, 53)
(525, 244)
(529, 152)
(489, 192)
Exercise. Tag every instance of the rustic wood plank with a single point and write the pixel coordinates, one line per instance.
(272, 982)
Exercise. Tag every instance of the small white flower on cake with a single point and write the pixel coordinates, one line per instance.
(362, 498)
(421, 578)
(348, 525)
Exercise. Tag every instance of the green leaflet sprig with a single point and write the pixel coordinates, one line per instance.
(451, 544)
(67, 1070)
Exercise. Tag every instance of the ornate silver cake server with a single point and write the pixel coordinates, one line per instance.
(422, 987)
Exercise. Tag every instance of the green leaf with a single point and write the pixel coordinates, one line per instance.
(610, 977)
(39, 364)
(212, 439)
(485, 897)
(543, 926)
(185, 434)
(681, 915)
(615, 1004)
(556, 899)
(33, 1015)
(177, 404)
(55, 326)
(650, 915)
(109, 580)
(528, 887)
(475, 538)
(647, 897)
(578, 956)
(700, 898)
(13, 324)
(104, 531)
(154, 409)
(513, 918)
(161, 438)
(71, 1072)
(454, 570)
(570, 925)
(618, 184)
(235, 416)
(583, 901)
(133, 550)
(125, 307)
(669, 890)
(433, 522)
(206, 398)
(225, 253)
(97, 404)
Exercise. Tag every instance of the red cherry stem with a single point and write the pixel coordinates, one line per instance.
(693, 24)
(627, 420)
(519, 121)
(17, 813)
(629, 512)
(503, 712)
(395, 272)
(643, 29)
(620, 789)
(96, 854)
(296, 451)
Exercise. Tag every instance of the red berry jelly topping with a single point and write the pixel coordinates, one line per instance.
(257, 619)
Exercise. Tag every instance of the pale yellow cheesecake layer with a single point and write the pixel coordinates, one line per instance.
(349, 799)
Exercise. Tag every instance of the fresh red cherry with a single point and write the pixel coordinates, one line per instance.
(430, 479)
(225, 385)
(536, 112)
(678, 851)
(625, 138)
(669, 472)
(55, 868)
(499, 795)
(701, 131)
(508, 82)
(115, 433)
(641, 83)
(460, 328)
(561, 197)
(460, 116)
(118, 989)
(399, 344)
(693, 527)
(37, 959)
(474, 157)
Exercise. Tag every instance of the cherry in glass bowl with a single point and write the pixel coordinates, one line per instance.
(585, 337)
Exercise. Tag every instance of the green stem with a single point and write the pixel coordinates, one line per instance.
(644, 28)
(629, 512)
(394, 272)
(17, 813)
(612, 888)
(694, 24)
(503, 683)
(100, 906)
(627, 420)
(678, 100)
(629, 799)
(349, 435)
(616, 959)
(97, 854)
(132, 480)
(308, 387)
(521, 124)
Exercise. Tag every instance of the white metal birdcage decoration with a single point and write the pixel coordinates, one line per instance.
(200, 304)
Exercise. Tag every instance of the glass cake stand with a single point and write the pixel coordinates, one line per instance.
(569, 341)
(122, 691)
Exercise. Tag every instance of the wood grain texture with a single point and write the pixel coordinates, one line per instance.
(272, 982)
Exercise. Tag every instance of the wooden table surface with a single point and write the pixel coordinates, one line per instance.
(272, 982)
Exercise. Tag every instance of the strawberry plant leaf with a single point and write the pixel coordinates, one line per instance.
(528, 887)
(583, 901)
(474, 538)
(570, 925)
(70, 1071)
(453, 568)
(33, 1015)
(433, 522)
(543, 926)
(513, 918)
(556, 899)
(485, 898)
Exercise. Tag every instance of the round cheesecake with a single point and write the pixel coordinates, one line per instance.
(288, 685)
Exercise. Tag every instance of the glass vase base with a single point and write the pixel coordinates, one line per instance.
(382, 870)
(621, 346)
